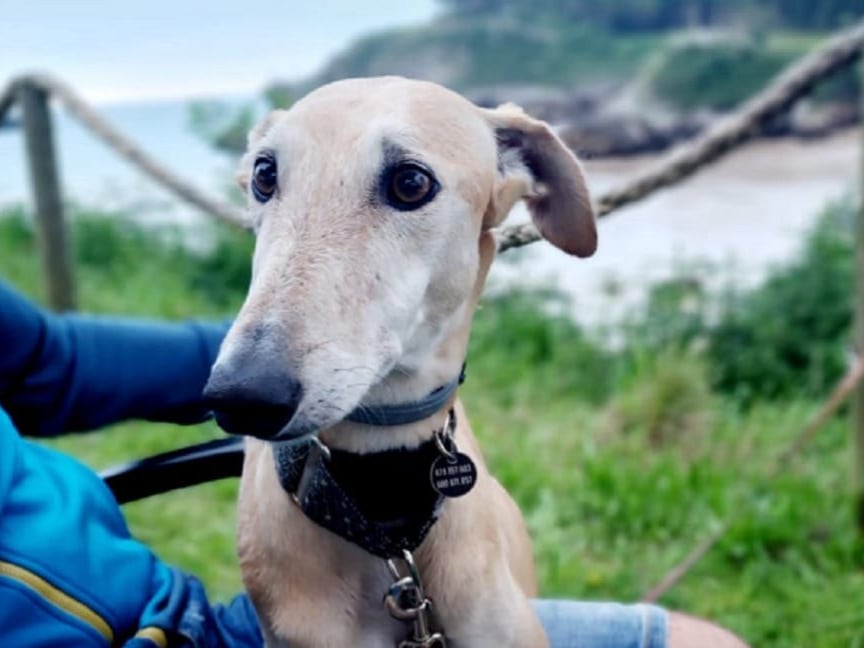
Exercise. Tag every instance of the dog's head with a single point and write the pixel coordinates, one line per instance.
(371, 200)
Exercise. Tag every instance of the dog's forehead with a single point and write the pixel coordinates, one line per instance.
(390, 111)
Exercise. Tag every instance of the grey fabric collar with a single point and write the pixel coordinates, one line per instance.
(405, 413)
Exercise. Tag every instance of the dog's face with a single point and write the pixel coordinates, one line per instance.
(369, 199)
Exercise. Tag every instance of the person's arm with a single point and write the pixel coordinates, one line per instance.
(71, 574)
(70, 372)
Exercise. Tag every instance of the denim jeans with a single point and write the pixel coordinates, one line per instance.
(579, 624)
(568, 624)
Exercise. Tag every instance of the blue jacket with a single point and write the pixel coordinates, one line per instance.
(70, 573)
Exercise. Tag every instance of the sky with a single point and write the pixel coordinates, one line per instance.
(129, 50)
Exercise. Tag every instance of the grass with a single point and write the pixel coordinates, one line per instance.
(618, 477)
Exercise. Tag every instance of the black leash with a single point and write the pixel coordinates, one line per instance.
(189, 466)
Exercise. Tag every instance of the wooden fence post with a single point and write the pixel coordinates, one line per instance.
(45, 184)
(858, 410)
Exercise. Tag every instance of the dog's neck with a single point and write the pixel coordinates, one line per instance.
(363, 438)
(409, 384)
(444, 367)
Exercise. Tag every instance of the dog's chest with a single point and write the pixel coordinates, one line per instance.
(316, 590)
(350, 618)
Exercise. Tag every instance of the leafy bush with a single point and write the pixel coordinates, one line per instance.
(110, 247)
(518, 331)
(223, 273)
(717, 75)
(674, 317)
(15, 231)
(667, 399)
(113, 244)
(789, 337)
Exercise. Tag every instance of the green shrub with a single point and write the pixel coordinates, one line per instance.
(111, 248)
(674, 316)
(787, 338)
(667, 399)
(520, 331)
(15, 230)
(716, 75)
(790, 336)
(112, 243)
(19, 257)
(222, 274)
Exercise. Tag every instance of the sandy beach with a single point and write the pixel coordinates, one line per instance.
(732, 221)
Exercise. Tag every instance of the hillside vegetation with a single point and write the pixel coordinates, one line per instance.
(471, 53)
(585, 61)
(575, 72)
(564, 43)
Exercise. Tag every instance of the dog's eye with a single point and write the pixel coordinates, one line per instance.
(264, 178)
(410, 186)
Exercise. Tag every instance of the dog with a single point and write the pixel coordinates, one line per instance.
(373, 202)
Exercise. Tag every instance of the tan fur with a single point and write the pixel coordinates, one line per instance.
(369, 305)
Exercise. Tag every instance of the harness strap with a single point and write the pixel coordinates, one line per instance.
(391, 506)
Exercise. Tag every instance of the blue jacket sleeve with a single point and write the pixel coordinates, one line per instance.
(72, 575)
(70, 372)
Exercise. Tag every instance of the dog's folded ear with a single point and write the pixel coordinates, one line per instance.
(535, 165)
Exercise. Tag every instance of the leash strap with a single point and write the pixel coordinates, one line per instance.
(169, 471)
(406, 601)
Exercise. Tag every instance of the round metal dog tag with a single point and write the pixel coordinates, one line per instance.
(453, 475)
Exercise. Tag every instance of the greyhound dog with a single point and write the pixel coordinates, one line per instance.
(373, 202)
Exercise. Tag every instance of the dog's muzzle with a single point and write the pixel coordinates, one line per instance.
(257, 402)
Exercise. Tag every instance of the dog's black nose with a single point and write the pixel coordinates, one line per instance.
(252, 401)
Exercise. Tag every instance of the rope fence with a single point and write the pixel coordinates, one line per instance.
(726, 135)
(121, 144)
(789, 86)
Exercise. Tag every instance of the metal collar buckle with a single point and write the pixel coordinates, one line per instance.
(406, 601)
(444, 436)
(317, 453)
